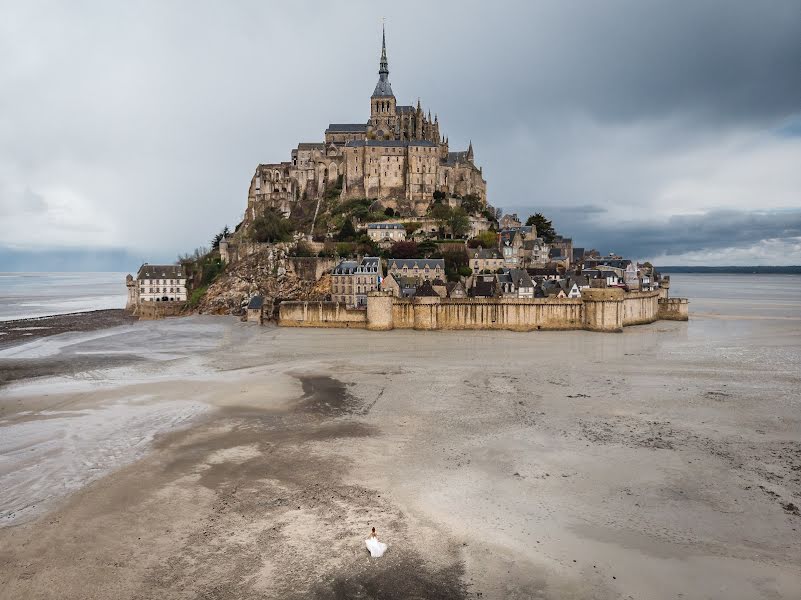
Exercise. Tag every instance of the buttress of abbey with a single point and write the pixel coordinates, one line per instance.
(397, 157)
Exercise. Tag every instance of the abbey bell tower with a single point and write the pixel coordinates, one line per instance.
(383, 118)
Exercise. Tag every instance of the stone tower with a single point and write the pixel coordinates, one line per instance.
(383, 117)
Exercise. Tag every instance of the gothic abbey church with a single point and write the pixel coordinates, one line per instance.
(397, 157)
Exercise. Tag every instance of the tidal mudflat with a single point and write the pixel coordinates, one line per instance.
(208, 458)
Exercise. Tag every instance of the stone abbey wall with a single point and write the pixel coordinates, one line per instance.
(597, 310)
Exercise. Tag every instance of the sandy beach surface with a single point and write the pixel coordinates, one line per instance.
(203, 457)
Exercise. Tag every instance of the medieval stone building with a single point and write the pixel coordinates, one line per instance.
(397, 157)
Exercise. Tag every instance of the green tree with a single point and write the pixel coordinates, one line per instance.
(440, 212)
(404, 250)
(348, 232)
(544, 227)
(345, 249)
(485, 239)
(428, 249)
(272, 227)
(455, 259)
(411, 228)
(215, 241)
(471, 204)
(458, 222)
(303, 249)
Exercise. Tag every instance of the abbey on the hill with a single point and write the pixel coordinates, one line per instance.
(397, 157)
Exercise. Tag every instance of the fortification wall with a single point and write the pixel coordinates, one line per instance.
(149, 311)
(490, 313)
(320, 314)
(640, 308)
(402, 313)
(597, 310)
(674, 309)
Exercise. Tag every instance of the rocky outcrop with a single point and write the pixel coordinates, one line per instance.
(267, 272)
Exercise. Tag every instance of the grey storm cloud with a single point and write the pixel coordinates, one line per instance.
(680, 234)
(137, 127)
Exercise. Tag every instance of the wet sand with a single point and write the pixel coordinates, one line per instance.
(247, 462)
(22, 330)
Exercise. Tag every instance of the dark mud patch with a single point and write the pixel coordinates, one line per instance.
(401, 576)
(25, 330)
(16, 369)
(279, 445)
(327, 396)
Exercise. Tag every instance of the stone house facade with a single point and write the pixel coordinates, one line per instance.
(418, 268)
(386, 232)
(352, 280)
(485, 259)
(160, 283)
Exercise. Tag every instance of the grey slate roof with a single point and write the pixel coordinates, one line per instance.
(404, 109)
(346, 128)
(580, 280)
(483, 288)
(311, 146)
(256, 302)
(370, 263)
(419, 263)
(383, 89)
(521, 278)
(485, 253)
(454, 157)
(345, 267)
(389, 143)
(385, 226)
(147, 271)
(425, 289)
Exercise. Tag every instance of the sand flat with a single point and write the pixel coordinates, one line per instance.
(662, 462)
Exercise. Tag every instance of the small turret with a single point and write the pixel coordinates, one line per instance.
(470, 151)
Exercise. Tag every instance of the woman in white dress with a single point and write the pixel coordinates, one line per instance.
(375, 547)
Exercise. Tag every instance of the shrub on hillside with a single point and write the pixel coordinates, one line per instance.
(272, 227)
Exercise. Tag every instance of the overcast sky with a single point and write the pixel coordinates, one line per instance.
(668, 131)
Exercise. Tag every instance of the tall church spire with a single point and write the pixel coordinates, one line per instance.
(382, 88)
(383, 68)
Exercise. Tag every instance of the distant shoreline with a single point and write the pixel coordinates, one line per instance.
(735, 270)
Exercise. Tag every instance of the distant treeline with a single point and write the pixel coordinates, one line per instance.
(786, 270)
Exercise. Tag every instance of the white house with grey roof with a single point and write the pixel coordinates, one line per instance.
(386, 232)
(160, 283)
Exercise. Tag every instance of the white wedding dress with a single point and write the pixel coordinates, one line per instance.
(375, 547)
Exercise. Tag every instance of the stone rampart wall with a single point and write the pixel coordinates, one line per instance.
(597, 310)
(673, 309)
(320, 314)
(148, 311)
(640, 308)
(482, 313)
